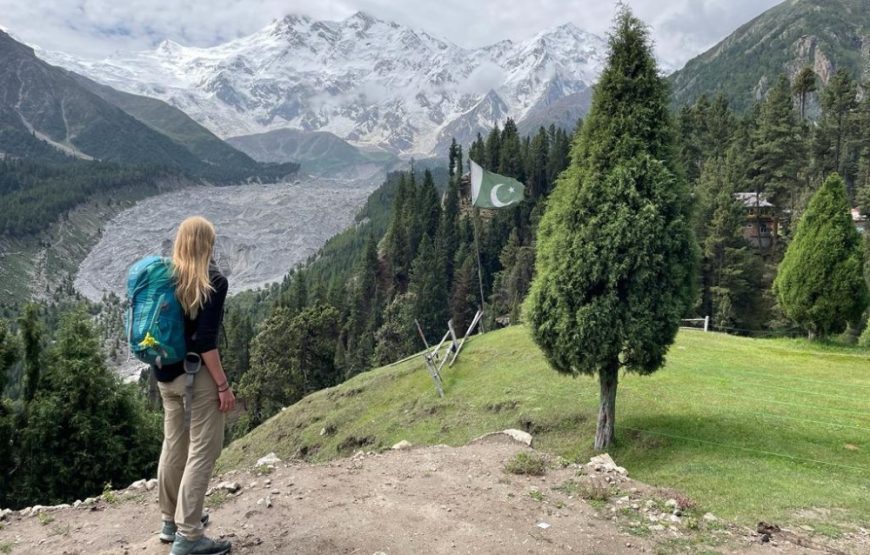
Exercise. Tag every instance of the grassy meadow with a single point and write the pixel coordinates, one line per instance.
(775, 430)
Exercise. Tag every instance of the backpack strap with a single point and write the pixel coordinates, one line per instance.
(192, 364)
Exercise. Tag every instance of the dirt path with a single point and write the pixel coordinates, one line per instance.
(427, 500)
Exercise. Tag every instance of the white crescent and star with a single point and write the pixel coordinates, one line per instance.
(493, 196)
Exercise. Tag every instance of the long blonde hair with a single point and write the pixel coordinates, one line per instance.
(191, 255)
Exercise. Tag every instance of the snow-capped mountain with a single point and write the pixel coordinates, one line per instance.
(374, 83)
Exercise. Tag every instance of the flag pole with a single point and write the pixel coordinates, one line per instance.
(476, 216)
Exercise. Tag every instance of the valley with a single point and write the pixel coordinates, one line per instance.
(263, 229)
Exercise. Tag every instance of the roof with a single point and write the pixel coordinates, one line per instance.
(749, 200)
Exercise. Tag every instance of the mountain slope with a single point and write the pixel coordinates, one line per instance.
(822, 34)
(710, 423)
(39, 101)
(317, 152)
(371, 82)
(173, 123)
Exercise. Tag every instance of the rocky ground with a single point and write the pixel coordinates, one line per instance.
(263, 230)
(415, 500)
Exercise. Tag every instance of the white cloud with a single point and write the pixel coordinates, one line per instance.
(93, 28)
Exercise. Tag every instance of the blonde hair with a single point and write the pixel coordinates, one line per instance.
(191, 255)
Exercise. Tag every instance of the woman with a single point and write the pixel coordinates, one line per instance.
(192, 441)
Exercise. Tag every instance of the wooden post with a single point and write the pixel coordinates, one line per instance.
(707, 323)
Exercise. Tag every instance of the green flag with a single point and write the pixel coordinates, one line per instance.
(491, 190)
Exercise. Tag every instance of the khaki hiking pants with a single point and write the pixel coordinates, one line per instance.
(188, 456)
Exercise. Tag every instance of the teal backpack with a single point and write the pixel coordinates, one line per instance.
(155, 319)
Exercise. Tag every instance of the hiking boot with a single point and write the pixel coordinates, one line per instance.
(201, 546)
(167, 533)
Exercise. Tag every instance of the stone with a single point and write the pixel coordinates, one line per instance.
(89, 501)
(77, 503)
(268, 502)
(806, 528)
(61, 507)
(672, 503)
(138, 485)
(516, 435)
(231, 487)
(151, 484)
(710, 517)
(271, 458)
(657, 528)
(675, 519)
(404, 444)
(604, 463)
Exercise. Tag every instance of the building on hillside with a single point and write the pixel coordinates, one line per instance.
(762, 227)
(859, 219)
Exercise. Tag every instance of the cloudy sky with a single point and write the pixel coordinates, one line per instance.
(93, 28)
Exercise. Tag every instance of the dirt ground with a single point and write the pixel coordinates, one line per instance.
(422, 500)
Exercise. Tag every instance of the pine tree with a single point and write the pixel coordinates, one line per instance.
(8, 356)
(364, 301)
(83, 427)
(510, 160)
(429, 287)
(820, 283)
(538, 180)
(833, 148)
(493, 150)
(398, 250)
(778, 150)
(397, 338)
(428, 207)
(616, 258)
(464, 296)
(804, 85)
(31, 338)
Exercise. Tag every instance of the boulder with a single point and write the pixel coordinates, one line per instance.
(138, 485)
(271, 458)
(515, 435)
(151, 484)
(604, 463)
(230, 487)
(404, 444)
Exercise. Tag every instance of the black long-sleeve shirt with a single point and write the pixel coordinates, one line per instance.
(201, 333)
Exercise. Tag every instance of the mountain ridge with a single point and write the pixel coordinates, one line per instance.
(374, 83)
(822, 34)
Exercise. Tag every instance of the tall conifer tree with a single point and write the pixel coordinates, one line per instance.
(616, 259)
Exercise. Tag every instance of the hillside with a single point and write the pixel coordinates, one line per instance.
(173, 123)
(751, 430)
(40, 101)
(317, 152)
(822, 34)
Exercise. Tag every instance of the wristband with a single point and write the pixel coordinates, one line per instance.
(227, 388)
(220, 385)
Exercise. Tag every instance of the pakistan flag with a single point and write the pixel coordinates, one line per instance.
(491, 190)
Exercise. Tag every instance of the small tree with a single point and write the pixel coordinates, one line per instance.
(616, 259)
(820, 283)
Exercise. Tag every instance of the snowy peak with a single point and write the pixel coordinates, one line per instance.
(375, 83)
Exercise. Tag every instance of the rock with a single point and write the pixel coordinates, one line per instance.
(89, 501)
(516, 435)
(267, 482)
(61, 507)
(709, 517)
(36, 510)
(806, 528)
(675, 519)
(231, 487)
(624, 499)
(604, 463)
(678, 512)
(271, 458)
(672, 503)
(657, 528)
(77, 503)
(543, 525)
(151, 484)
(268, 502)
(275, 492)
(5, 513)
(404, 444)
(138, 485)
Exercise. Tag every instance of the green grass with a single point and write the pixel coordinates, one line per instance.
(526, 463)
(748, 429)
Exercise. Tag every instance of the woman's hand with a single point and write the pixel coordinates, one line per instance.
(227, 400)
